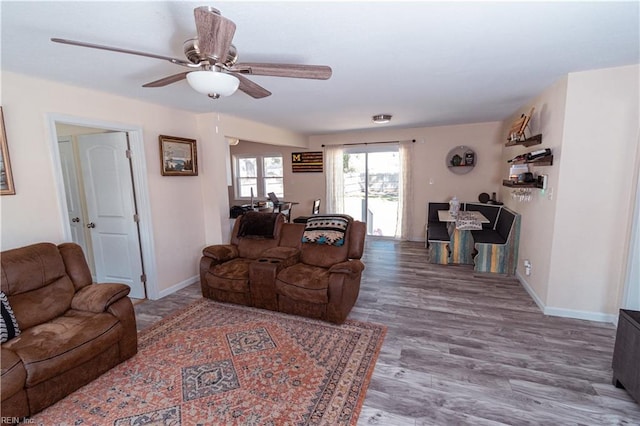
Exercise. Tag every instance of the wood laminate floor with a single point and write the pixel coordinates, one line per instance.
(466, 349)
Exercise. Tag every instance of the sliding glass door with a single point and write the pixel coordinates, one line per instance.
(371, 179)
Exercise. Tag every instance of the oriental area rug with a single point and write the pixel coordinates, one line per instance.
(219, 364)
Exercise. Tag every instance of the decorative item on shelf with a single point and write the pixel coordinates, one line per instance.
(516, 132)
(461, 160)
(540, 157)
(454, 206)
(469, 158)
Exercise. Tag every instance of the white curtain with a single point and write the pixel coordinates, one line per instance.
(334, 175)
(405, 191)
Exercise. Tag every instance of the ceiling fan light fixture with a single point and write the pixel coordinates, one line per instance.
(381, 118)
(213, 82)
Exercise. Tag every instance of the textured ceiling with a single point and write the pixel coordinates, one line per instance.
(427, 63)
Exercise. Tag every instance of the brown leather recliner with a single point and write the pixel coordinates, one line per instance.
(325, 282)
(284, 274)
(224, 268)
(71, 331)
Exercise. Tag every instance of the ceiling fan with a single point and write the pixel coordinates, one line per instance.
(212, 59)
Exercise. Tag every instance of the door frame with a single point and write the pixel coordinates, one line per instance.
(140, 187)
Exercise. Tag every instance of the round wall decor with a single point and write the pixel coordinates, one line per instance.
(461, 160)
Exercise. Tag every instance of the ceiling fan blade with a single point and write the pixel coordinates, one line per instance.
(215, 33)
(252, 89)
(128, 51)
(317, 72)
(167, 80)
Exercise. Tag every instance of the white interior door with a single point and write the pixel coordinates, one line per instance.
(106, 173)
(72, 192)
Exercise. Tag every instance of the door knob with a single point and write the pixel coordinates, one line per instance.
(91, 225)
(75, 220)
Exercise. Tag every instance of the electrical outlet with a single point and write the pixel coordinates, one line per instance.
(550, 194)
(527, 267)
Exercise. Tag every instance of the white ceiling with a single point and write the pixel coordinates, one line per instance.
(427, 63)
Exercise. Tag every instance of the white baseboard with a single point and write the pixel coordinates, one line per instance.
(583, 315)
(532, 293)
(566, 313)
(178, 286)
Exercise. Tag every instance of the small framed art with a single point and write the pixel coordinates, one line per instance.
(6, 177)
(178, 156)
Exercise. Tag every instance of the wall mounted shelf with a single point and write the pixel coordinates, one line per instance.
(513, 184)
(533, 140)
(461, 160)
(540, 161)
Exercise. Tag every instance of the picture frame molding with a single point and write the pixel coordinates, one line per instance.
(7, 180)
(166, 143)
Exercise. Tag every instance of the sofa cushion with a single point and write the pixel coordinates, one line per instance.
(231, 276)
(30, 268)
(438, 232)
(432, 211)
(488, 210)
(43, 304)
(8, 324)
(504, 223)
(304, 282)
(13, 374)
(52, 348)
(487, 236)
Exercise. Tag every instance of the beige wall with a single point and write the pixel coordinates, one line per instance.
(594, 209)
(432, 180)
(258, 132)
(33, 215)
(576, 233)
(538, 215)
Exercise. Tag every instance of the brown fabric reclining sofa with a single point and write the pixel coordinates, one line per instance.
(71, 331)
(274, 269)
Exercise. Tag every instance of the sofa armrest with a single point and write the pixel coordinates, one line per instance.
(14, 374)
(221, 252)
(350, 267)
(287, 255)
(98, 297)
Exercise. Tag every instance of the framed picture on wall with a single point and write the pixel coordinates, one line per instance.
(178, 156)
(6, 177)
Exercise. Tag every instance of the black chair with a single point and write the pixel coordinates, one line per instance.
(285, 209)
(436, 230)
(315, 211)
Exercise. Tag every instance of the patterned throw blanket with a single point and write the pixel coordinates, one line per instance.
(466, 221)
(328, 230)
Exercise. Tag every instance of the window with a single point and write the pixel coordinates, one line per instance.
(262, 173)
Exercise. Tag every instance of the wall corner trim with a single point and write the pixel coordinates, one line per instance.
(565, 313)
(178, 286)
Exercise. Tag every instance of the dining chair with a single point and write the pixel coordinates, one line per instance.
(314, 212)
(285, 209)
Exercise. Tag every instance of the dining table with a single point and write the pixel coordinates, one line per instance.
(460, 225)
